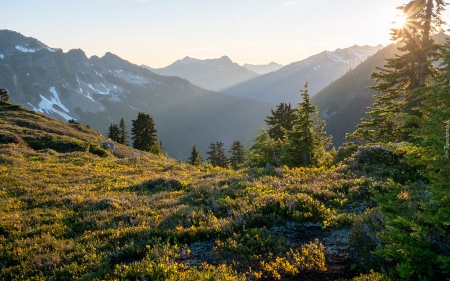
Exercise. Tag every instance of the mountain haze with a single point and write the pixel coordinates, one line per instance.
(319, 70)
(264, 68)
(211, 74)
(101, 90)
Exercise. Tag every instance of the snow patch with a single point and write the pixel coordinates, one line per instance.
(25, 50)
(56, 100)
(1, 56)
(51, 50)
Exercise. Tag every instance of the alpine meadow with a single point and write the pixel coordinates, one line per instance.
(116, 170)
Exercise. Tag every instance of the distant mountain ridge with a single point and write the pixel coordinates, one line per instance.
(101, 90)
(319, 70)
(264, 68)
(211, 74)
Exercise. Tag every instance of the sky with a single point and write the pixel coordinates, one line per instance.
(158, 32)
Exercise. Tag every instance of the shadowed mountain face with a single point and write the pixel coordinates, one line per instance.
(344, 102)
(211, 74)
(98, 91)
(319, 70)
(264, 68)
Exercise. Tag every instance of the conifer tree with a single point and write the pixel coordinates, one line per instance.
(212, 152)
(402, 80)
(306, 141)
(237, 154)
(281, 120)
(217, 155)
(113, 132)
(123, 134)
(195, 158)
(144, 134)
(4, 96)
(265, 150)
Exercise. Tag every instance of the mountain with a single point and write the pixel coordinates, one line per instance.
(344, 102)
(101, 90)
(319, 70)
(264, 68)
(211, 74)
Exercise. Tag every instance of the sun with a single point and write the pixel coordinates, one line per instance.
(399, 21)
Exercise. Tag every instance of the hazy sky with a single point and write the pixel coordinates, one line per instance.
(158, 32)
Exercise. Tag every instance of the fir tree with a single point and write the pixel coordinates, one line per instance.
(280, 121)
(306, 141)
(4, 96)
(113, 132)
(123, 134)
(144, 134)
(265, 150)
(402, 80)
(217, 155)
(237, 154)
(212, 152)
(195, 158)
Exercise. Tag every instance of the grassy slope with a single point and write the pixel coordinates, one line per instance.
(67, 214)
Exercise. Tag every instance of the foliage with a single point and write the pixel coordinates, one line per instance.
(144, 134)
(402, 80)
(195, 158)
(122, 133)
(4, 96)
(281, 120)
(217, 155)
(265, 151)
(113, 132)
(304, 144)
(237, 154)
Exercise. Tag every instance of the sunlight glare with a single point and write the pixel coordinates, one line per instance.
(400, 21)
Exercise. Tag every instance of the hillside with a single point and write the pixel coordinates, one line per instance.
(101, 90)
(319, 70)
(66, 212)
(212, 74)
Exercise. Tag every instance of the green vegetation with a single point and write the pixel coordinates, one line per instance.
(70, 210)
(143, 134)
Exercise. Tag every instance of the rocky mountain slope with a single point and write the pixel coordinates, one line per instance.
(211, 74)
(319, 70)
(101, 90)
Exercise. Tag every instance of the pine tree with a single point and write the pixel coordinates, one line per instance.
(306, 142)
(113, 132)
(195, 158)
(144, 134)
(123, 134)
(237, 154)
(4, 96)
(217, 155)
(281, 120)
(402, 80)
(212, 152)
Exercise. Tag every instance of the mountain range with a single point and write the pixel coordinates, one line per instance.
(319, 70)
(212, 74)
(100, 90)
